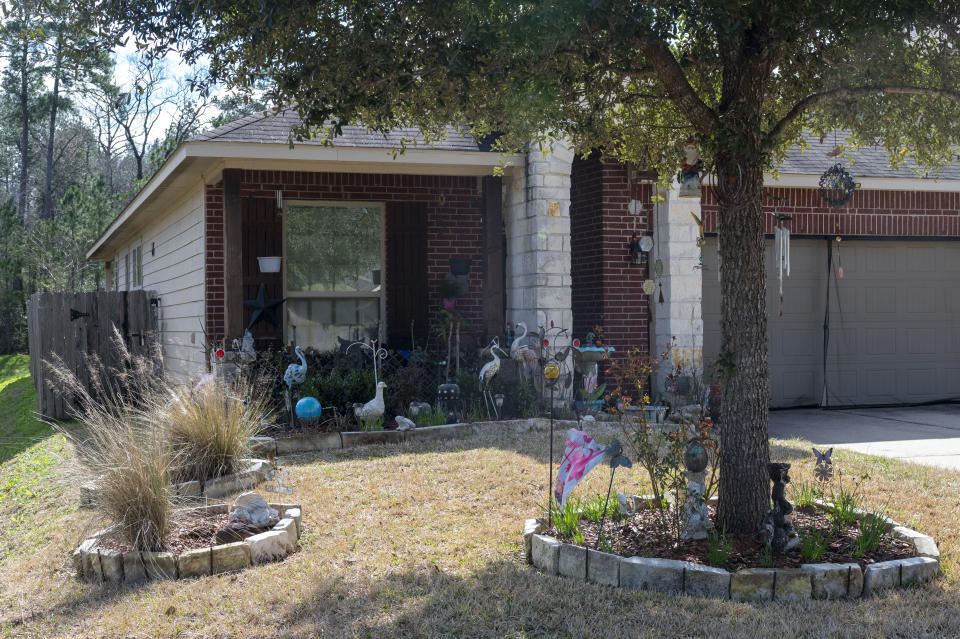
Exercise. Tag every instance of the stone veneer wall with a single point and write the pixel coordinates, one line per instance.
(454, 225)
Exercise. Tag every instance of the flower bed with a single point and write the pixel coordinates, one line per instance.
(683, 571)
(254, 474)
(101, 557)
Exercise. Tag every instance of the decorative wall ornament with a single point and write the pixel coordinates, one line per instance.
(837, 186)
(262, 307)
(782, 243)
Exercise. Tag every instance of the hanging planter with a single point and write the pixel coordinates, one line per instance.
(270, 264)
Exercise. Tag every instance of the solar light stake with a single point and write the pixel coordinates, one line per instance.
(551, 373)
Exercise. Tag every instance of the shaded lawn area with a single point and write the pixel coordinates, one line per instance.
(425, 541)
(19, 428)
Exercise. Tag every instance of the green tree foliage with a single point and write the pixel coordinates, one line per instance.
(743, 77)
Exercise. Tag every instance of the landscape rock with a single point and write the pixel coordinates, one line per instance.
(545, 552)
(792, 585)
(133, 569)
(530, 528)
(230, 557)
(251, 508)
(159, 565)
(573, 561)
(194, 563)
(269, 546)
(188, 489)
(705, 581)
(237, 531)
(918, 570)
(111, 566)
(90, 560)
(294, 514)
(646, 573)
(885, 574)
(263, 446)
(752, 584)
(603, 568)
(834, 581)
(288, 526)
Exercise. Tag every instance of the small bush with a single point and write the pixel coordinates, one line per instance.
(806, 493)
(210, 428)
(813, 543)
(872, 529)
(718, 548)
(592, 509)
(846, 506)
(432, 417)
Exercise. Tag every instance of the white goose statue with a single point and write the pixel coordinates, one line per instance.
(372, 412)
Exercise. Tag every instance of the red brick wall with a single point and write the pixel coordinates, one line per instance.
(881, 213)
(454, 223)
(606, 285)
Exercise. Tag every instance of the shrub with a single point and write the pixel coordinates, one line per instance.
(566, 518)
(120, 447)
(872, 529)
(592, 509)
(210, 428)
(806, 493)
(432, 417)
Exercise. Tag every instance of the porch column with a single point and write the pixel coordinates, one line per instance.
(678, 318)
(537, 219)
(232, 257)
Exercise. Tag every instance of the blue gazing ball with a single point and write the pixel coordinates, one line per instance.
(308, 410)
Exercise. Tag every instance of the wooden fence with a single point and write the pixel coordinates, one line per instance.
(72, 326)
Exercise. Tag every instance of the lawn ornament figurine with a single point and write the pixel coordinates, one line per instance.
(371, 413)
(487, 373)
(405, 424)
(823, 470)
(777, 532)
(308, 410)
(295, 375)
(523, 355)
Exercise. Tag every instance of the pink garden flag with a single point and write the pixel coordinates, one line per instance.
(580, 455)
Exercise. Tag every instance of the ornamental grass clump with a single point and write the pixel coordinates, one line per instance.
(210, 427)
(119, 446)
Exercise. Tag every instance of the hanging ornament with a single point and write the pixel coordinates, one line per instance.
(836, 186)
(648, 287)
(661, 293)
(782, 242)
(658, 267)
(839, 263)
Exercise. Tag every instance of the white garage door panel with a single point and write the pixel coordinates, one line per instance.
(894, 323)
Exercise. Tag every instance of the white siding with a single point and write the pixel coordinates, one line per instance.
(173, 266)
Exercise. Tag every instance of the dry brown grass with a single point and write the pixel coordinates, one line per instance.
(424, 541)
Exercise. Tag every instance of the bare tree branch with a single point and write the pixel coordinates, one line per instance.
(846, 93)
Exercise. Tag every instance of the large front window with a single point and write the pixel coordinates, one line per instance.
(334, 272)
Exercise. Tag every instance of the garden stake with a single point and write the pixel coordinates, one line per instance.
(617, 458)
(551, 372)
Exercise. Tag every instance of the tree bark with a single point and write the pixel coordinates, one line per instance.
(744, 449)
(24, 130)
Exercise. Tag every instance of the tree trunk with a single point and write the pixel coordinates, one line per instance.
(51, 135)
(24, 130)
(744, 449)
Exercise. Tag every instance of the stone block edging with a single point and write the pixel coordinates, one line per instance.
(810, 581)
(265, 446)
(255, 474)
(100, 565)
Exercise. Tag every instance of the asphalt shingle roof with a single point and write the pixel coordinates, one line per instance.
(275, 129)
(866, 162)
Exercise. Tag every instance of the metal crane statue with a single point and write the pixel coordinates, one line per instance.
(295, 375)
(525, 356)
(487, 373)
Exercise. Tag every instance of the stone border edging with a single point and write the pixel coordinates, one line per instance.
(810, 581)
(211, 489)
(100, 565)
(265, 446)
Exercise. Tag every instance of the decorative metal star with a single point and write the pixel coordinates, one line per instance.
(262, 307)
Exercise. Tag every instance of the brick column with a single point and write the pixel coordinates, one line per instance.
(537, 220)
(679, 318)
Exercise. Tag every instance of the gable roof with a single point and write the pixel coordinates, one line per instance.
(274, 128)
(868, 162)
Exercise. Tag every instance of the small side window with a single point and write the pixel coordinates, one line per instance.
(137, 253)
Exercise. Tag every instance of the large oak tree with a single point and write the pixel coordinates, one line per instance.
(634, 78)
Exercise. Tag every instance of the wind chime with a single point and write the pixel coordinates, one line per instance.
(781, 238)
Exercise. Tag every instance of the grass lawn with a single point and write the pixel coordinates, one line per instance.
(425, 540)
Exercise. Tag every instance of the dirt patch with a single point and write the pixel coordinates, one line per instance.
(190, 533)
(649, 534)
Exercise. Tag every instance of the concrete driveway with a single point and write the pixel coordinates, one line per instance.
(924, 434)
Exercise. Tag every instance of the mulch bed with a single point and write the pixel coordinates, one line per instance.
(645, 535)
(190, 533)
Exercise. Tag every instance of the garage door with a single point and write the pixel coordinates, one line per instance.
(894, 323)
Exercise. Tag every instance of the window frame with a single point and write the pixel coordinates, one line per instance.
(381, 295)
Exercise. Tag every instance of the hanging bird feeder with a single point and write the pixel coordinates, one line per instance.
(837, 186)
